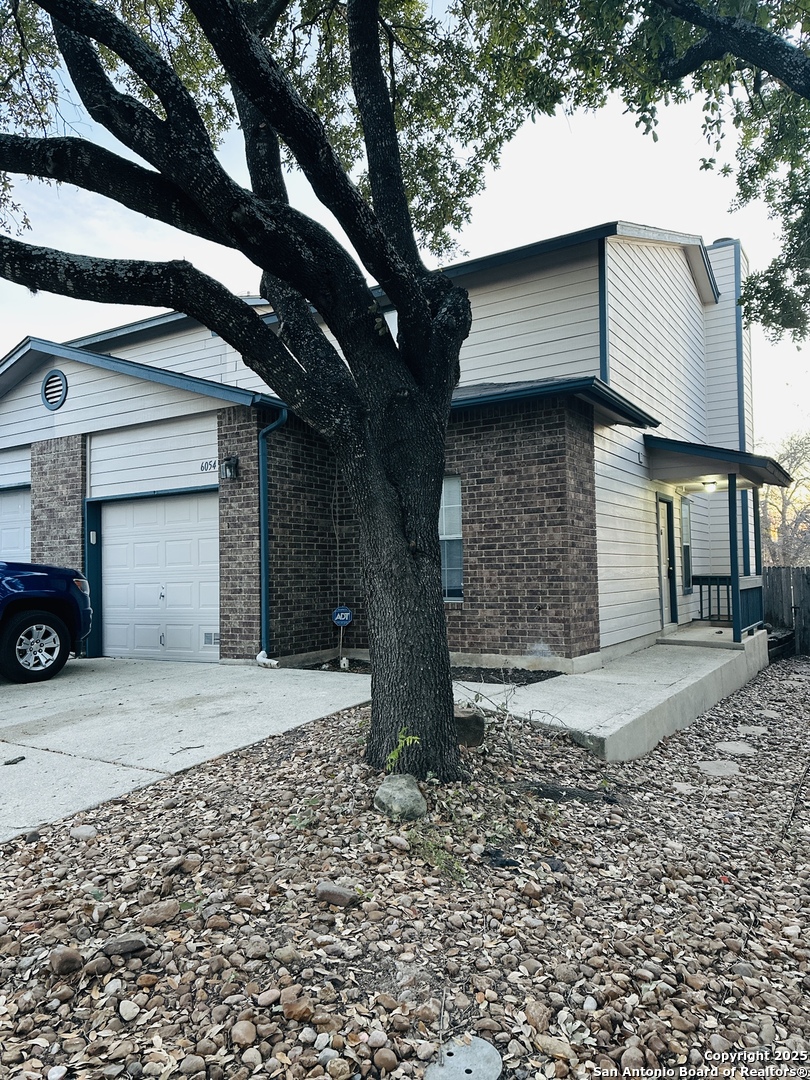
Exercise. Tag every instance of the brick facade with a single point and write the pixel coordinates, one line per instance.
(58, 487)
(529, 533)
(239, 566)
(313, 545)
(529, 530)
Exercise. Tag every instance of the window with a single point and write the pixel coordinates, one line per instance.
(686, 544)
(450, 539)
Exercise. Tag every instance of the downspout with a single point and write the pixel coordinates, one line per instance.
(264, 525)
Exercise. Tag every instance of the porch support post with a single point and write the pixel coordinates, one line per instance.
(757, 534)
(736, 619)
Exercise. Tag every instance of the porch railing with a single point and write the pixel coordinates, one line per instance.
(717, 601)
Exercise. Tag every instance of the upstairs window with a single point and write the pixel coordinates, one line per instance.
(450, 539)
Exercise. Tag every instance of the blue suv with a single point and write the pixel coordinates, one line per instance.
(45, 615)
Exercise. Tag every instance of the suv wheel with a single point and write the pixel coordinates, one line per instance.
(34, 646)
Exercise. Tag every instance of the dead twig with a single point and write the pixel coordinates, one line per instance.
(796, 797)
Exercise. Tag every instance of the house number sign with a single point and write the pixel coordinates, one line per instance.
(209, 465)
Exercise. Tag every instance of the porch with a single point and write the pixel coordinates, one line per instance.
(733, 599)
(623, 710)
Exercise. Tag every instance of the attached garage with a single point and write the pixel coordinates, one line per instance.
(119, 475)
(15, 504)
(15, 525)
(160, 578)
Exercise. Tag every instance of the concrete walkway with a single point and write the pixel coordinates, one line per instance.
(624, 709)
(104, 727)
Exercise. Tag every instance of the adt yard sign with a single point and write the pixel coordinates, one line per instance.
(342, 616)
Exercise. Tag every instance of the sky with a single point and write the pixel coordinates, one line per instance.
(559, 175)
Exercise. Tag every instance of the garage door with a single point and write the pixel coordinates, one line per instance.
(15, 525)
(160, 578)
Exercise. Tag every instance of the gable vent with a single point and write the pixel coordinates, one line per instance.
(54, 390)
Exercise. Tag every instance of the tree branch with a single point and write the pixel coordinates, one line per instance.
(251, 67)
(91, 167)
(311, 394)
(277, 238)
(703, 52)
(92, 20)
(262, 151)
(264, 16)
(742, 38)
(379, 129)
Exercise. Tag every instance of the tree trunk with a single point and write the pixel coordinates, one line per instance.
(395, 485)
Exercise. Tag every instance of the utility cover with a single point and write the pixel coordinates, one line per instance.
(476, 1060)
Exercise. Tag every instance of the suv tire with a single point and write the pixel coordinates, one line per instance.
(34, 646)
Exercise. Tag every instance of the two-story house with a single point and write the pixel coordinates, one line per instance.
(600, 487)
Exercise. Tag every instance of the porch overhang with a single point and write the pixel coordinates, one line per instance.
(609, 407)
(698, 468)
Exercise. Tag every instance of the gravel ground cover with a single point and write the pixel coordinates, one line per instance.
(257, 916)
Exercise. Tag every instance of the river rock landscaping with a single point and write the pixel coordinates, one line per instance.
(257, 915)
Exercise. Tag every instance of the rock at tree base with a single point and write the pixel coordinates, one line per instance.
(399, 798)
(470, 725)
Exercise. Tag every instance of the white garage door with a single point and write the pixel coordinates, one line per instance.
(15, 525)
(160, 578)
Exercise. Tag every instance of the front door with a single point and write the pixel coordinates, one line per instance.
(666, 561)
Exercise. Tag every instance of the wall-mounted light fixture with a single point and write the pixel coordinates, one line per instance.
(710, 485)
(229, 468)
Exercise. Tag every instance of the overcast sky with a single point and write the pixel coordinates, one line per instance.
(558, 176)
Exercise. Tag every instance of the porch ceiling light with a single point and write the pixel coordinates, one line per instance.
(710, 485)
(229, 468)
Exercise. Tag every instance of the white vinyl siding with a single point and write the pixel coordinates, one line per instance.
(179, 453)
(97, 400)
(15, 466)
(655, 335)
(722, 406)
(160, 578)
(196, 352)
(627, 540)
(656, 358)
(15, 525)
(535, 321)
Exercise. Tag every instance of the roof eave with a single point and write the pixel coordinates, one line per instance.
(611, 407)
(692, 461)
(36, 350)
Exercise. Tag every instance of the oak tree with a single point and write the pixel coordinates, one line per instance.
(356, 96)
(749, 63)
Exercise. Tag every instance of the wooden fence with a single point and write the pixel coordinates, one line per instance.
(787, 601)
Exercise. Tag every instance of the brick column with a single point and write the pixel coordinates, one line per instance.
(239, 567)
(58, 488)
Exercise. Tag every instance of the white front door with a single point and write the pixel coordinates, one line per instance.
(15, 525)
(160, 578)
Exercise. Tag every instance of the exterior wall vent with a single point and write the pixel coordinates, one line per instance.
(54, 390)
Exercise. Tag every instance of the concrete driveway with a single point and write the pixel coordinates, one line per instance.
(104, 727)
